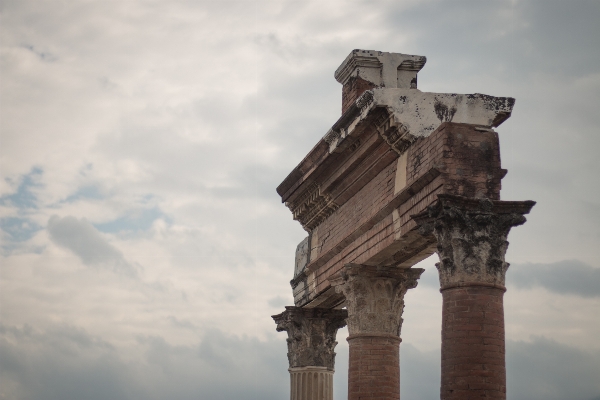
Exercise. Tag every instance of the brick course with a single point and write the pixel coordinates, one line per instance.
(358, 209)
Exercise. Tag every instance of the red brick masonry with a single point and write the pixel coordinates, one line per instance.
(473, 344)
(374, 367)
(352, 91)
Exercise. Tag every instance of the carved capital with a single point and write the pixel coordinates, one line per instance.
(375, 297)
(471, 235)
(311, 335)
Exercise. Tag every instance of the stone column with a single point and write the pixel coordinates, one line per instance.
(311, 341)
(375, 301)
(471, 235)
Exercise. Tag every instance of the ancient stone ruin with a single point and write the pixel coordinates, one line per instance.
(400, 175)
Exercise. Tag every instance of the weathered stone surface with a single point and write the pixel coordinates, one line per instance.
(415, 114)
(375, 297)
(382, 69)
(368, 69)
(471, 235)
(311, 335)
(302, 255)
(300, 288)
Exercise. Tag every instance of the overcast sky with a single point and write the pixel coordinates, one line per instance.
(144, 247)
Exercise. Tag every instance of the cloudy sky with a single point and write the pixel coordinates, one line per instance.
(143, 244)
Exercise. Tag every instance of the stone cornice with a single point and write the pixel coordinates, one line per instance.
(312, 207)
(412, 114)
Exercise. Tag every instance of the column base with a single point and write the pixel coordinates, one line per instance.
(311, 383)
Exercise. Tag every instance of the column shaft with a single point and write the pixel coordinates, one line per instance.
(374, 367)
(473, 350)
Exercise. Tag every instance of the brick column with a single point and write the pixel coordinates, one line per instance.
(375, 301)
(311, 341)
(471, 235)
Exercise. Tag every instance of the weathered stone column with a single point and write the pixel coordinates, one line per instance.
(311, 341)
(375, 301)
(471, 236)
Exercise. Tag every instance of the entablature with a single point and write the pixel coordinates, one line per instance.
(396, 117)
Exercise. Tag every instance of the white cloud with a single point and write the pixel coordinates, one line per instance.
(565, 277)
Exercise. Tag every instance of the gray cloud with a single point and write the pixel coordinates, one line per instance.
(565, 277)
(526, 36)
(419, 373)
(181, 323)
(61, 363)
(279, 302)
(80, 236)
(221, 367)
(545, 369)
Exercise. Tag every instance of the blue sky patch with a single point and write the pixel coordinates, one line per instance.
(19, 229)
(140, 220)
(24, 198)
(86, 192)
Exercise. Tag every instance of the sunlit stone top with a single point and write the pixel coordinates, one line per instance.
(390, 70)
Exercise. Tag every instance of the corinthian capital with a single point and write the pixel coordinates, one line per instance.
(471, 235)
(375, 297)
(311, 335)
